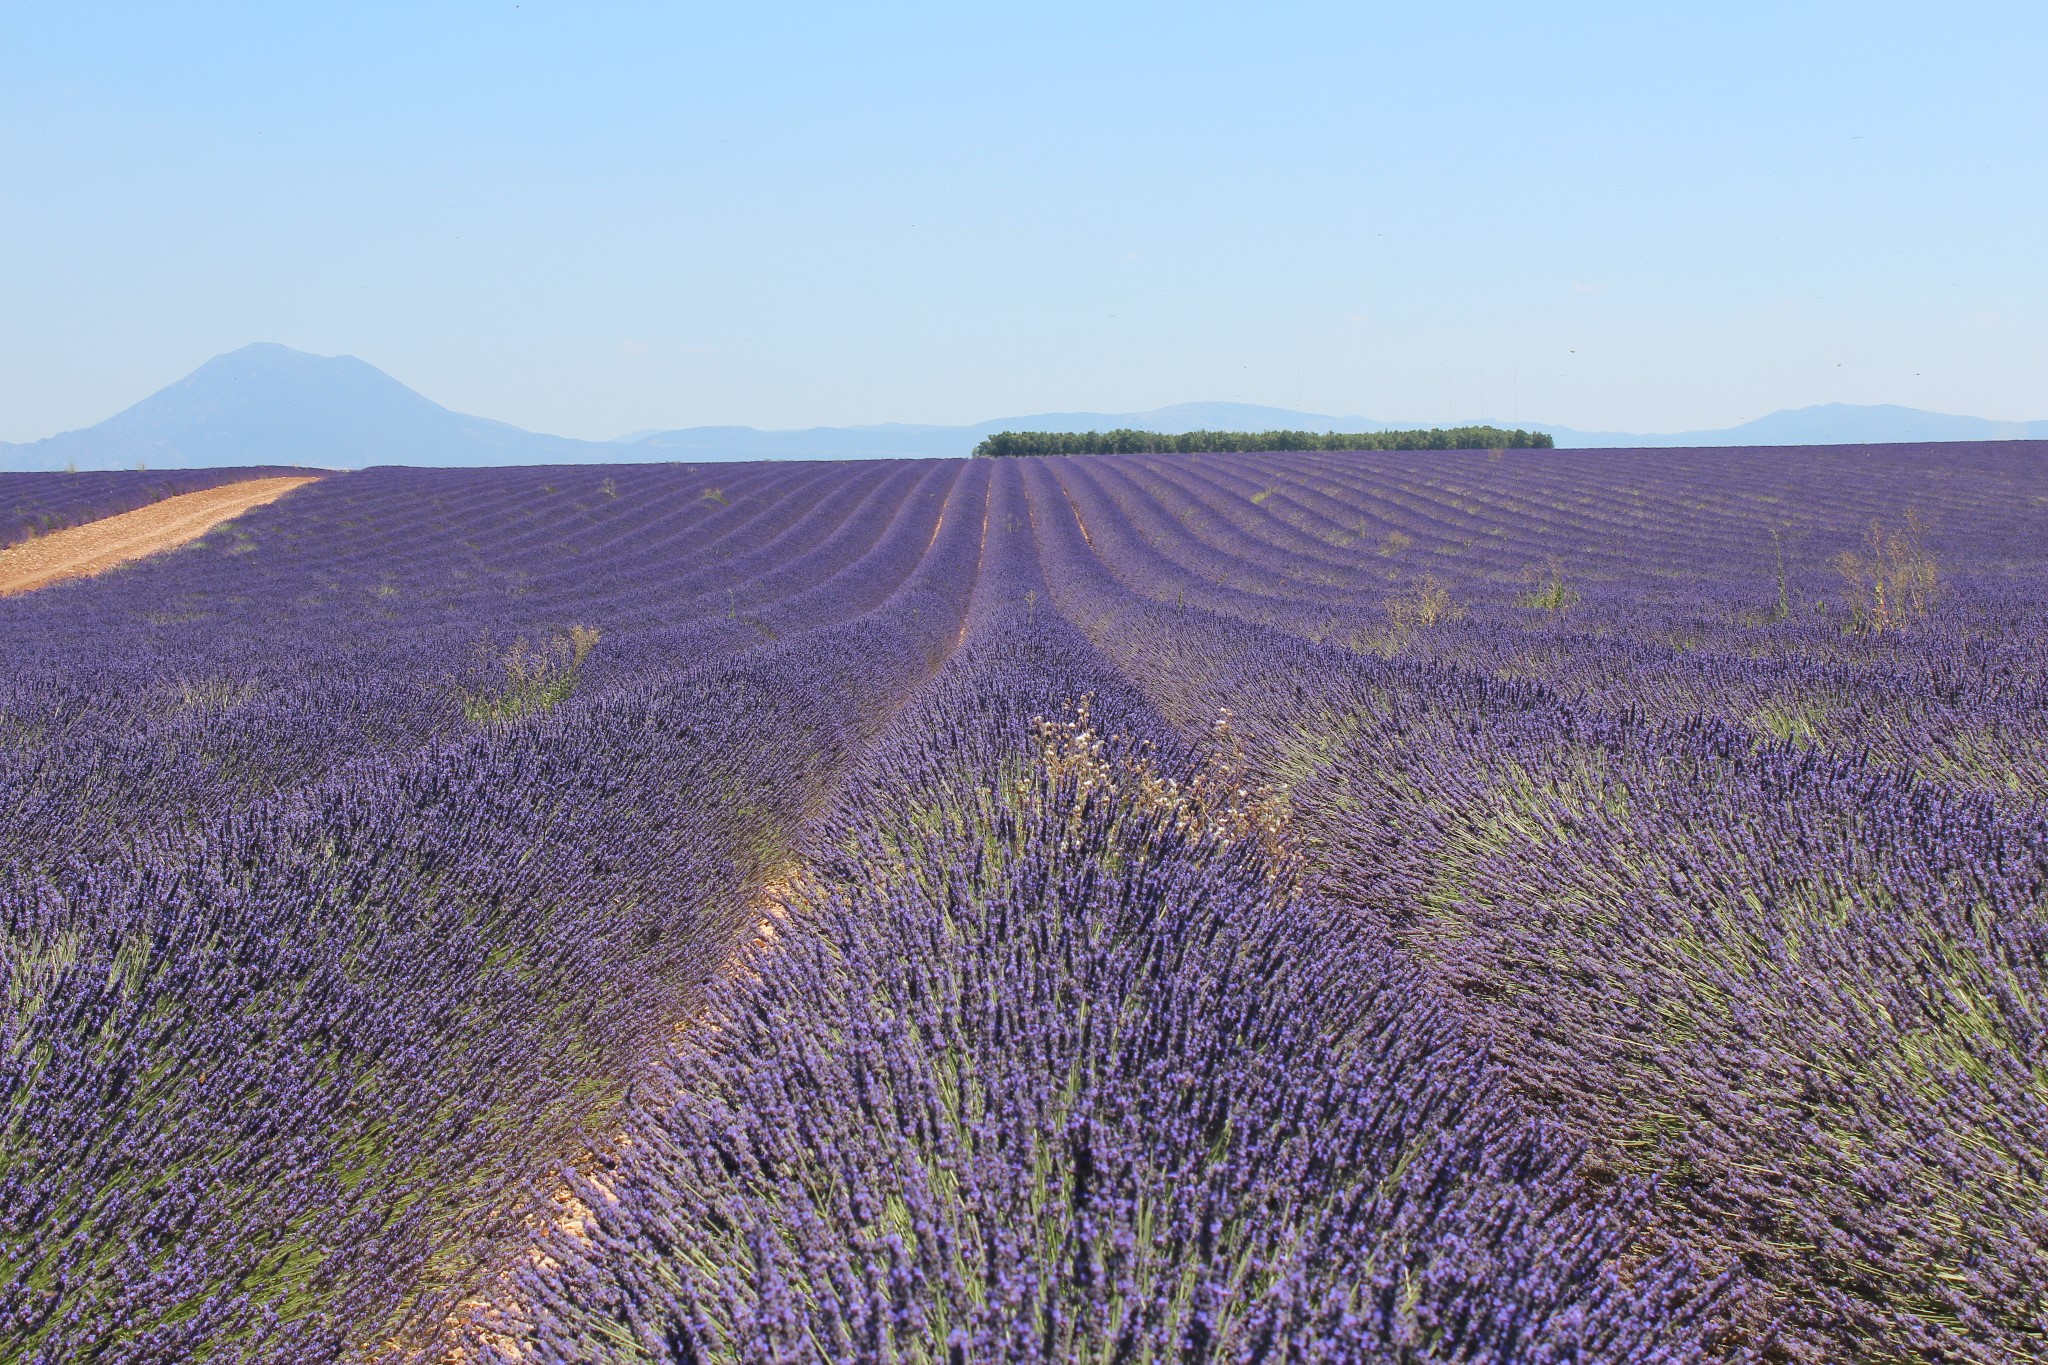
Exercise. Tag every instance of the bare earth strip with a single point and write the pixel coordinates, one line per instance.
(101, 545)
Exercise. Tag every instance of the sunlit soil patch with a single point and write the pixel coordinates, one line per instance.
(94, 548)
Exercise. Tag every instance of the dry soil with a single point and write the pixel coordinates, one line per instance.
(100, 545)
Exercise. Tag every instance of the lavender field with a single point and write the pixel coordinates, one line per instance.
(1528, 906)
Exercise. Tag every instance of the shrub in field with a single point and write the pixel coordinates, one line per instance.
(1782, 610)
(535, 678)
(1549, 590)
(1892, 580)
(1219, 800)
(1427, 603)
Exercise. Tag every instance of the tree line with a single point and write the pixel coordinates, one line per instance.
(1124, 441)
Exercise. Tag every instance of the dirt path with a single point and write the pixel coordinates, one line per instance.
(100, 545)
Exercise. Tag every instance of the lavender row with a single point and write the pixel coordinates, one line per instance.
(1806, 991)
(1049, 1066)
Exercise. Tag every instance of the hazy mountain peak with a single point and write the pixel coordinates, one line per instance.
(272, 405)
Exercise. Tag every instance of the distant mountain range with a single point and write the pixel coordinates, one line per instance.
(1824, 424)
(267, 404)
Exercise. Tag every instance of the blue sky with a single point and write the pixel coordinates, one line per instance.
(595, 218)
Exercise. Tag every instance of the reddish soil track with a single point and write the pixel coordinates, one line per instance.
(97, 546)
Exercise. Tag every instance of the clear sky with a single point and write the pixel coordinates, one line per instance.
(589, 218)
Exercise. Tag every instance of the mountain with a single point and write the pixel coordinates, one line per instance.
(271, 405)
(1825, 424)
